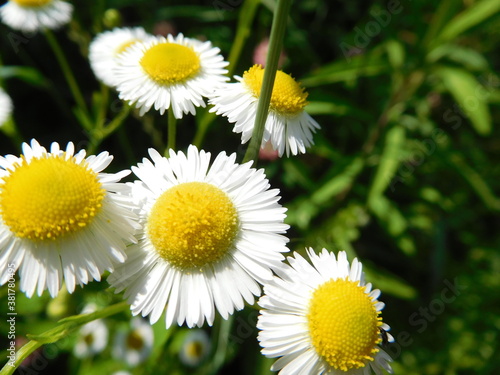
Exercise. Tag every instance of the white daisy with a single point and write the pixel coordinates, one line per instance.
(288, 127)
(195, 347)
(35, 15)
(135, 345)
(106, 47)
(210, 234)
(61, 218)
(323, 318)
(92, 338)
(5, 107)
(174, 72)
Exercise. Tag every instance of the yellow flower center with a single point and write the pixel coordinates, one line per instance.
(49, 197)
(122, 47)
(32, 3)
(89, 339)
(288, 97)
(193, 224)
(170, 63)
(194, 349)
(343, 324)
(135, 340)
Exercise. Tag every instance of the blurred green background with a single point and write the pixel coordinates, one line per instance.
(405, 172)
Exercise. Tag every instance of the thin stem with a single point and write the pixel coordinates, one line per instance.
(407, 88)
(172, 130)
(103, 105)
(68, 74)
(395, 106)
(245, 20)
(275, 44)
(205, 120)
(102, 132)
(64, 328)
(224, 327)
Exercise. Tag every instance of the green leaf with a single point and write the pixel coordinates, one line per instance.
(394, 223)
(442, 15)
(27, 74)
(470, 95)
(469, 18)
(389, 284)
(327, 108)
(468, 57)
(389, 162)
(53, 335)
(346, 70)
(386, 212)
(308, 207)
(395, 53)
(474, 179)
(338, 183)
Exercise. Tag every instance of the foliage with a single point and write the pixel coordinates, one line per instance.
(404, 173)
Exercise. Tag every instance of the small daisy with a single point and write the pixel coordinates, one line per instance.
(134, 346)
(93, 337)
(107, 46)
(61, 218)
(210, 234)
(323, 318)
(5, 107)
(169, 72)
(288, 127)
(35, 15)
(195, 348)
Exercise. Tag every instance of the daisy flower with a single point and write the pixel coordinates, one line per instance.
(5, 107)
(195, 348)
(93, 336)
(135, 345)
(323, 318)
(61, 218)
(288, 127)
(107, 46)
(35, 15)
(210, 234)
(174, 72)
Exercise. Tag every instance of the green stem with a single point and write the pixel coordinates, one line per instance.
(66, 326)
(68, 74)
(275, 44)
(395, 106)
(102, 132)
(117, 121)
(219, 357)
(172, 130)
(11, 130)
(103, 105)
(245, 20)
(205, 120)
